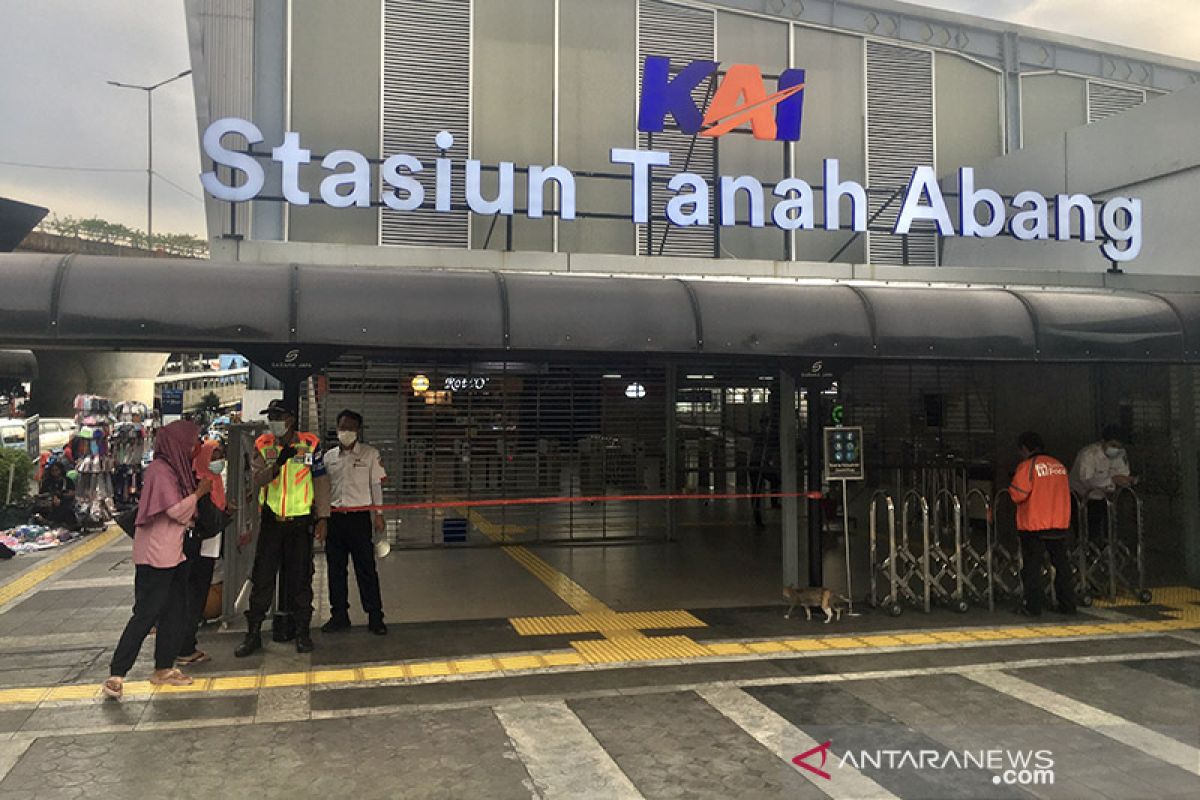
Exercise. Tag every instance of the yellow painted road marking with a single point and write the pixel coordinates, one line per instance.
(71, 555)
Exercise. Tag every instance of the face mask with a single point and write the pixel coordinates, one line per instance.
(278, 427)
(347, 438)
(217, 467)
(1113, 452)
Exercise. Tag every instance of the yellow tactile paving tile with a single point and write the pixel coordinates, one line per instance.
(646, 649)
(30, 695)
(73, 692)
(767, 647)
(469, 665)
(609, 622)
(987, 634)
(72, 555)
(562, 659)
(388, 673)
(951, 636)
(804, 645)
(236, 682)
(335, 676)
(843, 642)
(430, 669)
(727, 648)
(284, 679)
(519, 662)
(880, 641)
(916, 638)
(197, 685)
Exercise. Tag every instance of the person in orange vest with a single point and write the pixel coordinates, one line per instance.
(1041, 489)
(289, 473)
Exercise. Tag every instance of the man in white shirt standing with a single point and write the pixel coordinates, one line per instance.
(356, 474)
(1100, 469)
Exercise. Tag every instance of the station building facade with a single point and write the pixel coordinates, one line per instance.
(695, 372)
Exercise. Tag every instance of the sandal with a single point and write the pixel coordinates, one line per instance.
(171, 678)
(198, 657)
(113, 688)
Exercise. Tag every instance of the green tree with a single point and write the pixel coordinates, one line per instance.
(15, 463)
(95, 229)
(209, 406)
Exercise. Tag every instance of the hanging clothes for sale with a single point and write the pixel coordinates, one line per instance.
(93, 463)
(129, 443)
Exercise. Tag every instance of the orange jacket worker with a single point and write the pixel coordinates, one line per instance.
(1041, 489)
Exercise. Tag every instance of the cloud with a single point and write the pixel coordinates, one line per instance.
(1170, 27)
(59, 110)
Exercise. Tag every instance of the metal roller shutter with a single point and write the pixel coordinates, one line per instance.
(917, 418)
(508, 431)
(899, 136)
(683, 34)
(427, 65)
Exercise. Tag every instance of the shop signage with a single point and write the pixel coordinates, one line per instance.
(982, 212)
(459, 383)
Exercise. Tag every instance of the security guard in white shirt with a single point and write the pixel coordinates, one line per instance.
(1100, 469)
(355, 474)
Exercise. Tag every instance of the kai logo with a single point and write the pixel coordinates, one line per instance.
(740, 98)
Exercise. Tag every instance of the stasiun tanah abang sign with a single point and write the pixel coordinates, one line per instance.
(740, 98)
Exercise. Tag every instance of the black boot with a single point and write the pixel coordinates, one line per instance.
(304, 642)
(252, 643)
(336, 623)
(375, 624)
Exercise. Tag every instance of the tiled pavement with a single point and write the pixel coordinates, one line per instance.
(723, 728)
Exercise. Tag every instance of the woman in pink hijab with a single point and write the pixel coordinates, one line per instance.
(166, 509)
(202, 555)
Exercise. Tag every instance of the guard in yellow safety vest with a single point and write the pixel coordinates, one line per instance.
(289, 472)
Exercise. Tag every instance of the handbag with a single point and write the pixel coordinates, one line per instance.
(210, 520)
(127, 520)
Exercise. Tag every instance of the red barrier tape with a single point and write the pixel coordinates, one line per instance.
(546, 501)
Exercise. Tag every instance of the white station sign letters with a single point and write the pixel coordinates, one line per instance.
(981, 212)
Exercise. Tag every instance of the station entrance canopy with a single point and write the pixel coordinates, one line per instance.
(140, 304)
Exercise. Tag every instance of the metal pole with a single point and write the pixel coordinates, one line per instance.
(790, 526)
(846, 537)
(671, 456)
(149, 169)
(815, 553)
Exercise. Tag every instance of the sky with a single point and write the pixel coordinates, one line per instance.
(58, 111)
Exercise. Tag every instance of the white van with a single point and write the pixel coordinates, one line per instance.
(54, 433)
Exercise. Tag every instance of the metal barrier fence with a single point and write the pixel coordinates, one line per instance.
(956, 565)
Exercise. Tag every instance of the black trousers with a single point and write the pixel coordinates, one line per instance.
(159, 598)
(199, 582)
(1034, 546)
(350, 538)
(284, 548)
(1097, 522)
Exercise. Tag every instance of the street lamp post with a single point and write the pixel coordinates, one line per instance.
(149, 90)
